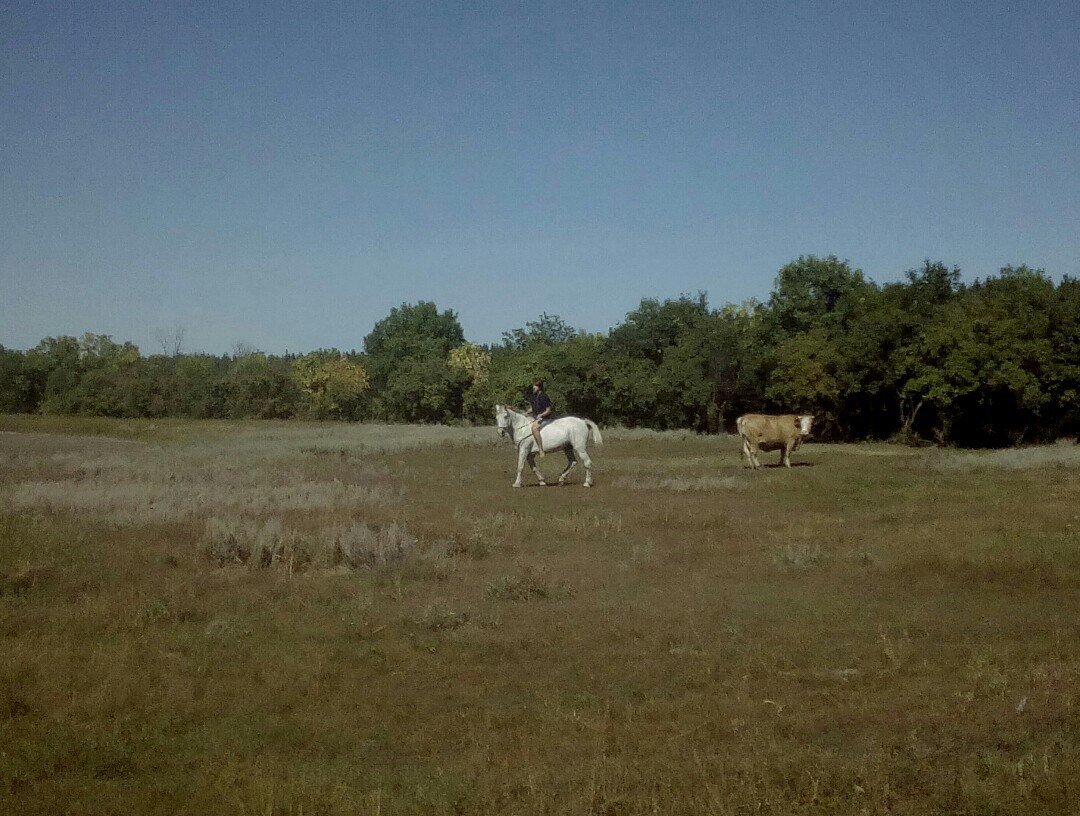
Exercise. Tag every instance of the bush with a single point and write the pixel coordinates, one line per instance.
(360, 546)
(230, 540)
(243, 541)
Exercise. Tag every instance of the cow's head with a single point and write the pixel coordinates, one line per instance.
(805, 421)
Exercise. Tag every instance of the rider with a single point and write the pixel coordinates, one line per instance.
(541, 411)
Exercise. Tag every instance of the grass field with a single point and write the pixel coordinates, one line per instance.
(270, 618)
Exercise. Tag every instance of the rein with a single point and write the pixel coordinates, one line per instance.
(516, 426)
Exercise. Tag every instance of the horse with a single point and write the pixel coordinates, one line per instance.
(571, 434)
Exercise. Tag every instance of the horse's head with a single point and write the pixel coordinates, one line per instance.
(502, 419)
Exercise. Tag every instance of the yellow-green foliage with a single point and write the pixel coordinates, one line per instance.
(329, 383)
(471, 361)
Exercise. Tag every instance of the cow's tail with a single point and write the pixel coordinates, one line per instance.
(594, 431)
(739, 425)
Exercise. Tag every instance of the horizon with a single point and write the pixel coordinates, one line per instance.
(283, 179)
(166, 337)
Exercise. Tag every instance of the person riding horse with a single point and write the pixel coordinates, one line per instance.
(541, 412)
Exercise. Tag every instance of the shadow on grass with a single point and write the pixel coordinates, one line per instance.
(780, 465)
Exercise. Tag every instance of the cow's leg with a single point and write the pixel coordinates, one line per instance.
(522, 454)
(785, 455)
(754, 462)
(583, 454)
(746, 452)
(570, 462)
(532, 463)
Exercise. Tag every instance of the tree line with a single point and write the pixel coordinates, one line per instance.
(993, 362)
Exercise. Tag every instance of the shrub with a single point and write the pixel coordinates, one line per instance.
(229, 540)
(360, 546)
(267, 547)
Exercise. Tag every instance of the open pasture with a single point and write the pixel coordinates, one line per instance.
(272, 618)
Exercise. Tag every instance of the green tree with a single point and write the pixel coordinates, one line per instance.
(654, 326)
(884, 338)
(983, 365)
(575, 373)
(259, 386)
(17, 386)
(930, 287)
(1063, 371)
(805, 377)
(550, 330)
(407, 356)
(413, 330)
(799, 363)
(56, 364)
(196, 386)
(668, 349)
(735, 368)
(113, 381)
(812, 293)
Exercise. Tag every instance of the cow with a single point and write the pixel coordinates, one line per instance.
(769, 432)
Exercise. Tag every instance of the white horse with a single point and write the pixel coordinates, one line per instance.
(571, 434)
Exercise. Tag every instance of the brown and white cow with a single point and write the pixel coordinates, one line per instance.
(769, 432)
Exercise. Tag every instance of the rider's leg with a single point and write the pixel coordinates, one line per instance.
(536, 436)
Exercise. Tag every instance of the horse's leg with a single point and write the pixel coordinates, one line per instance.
(570, 462)
(583, 454)
(532, 463)
(522, 453)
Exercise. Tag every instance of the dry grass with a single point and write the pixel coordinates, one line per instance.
(329, 619)
(136, 484)
(649, 435)
(1065, 453)
(682, 484)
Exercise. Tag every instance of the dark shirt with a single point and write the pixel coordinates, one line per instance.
(540, 403)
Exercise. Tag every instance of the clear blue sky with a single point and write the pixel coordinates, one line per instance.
(283, 175)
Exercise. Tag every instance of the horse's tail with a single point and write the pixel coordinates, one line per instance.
(594, 431)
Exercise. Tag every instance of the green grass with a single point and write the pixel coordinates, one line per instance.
(880, 631)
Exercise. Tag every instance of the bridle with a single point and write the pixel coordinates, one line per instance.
(514, 428)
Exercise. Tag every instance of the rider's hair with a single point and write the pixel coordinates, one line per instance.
(539, 383)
